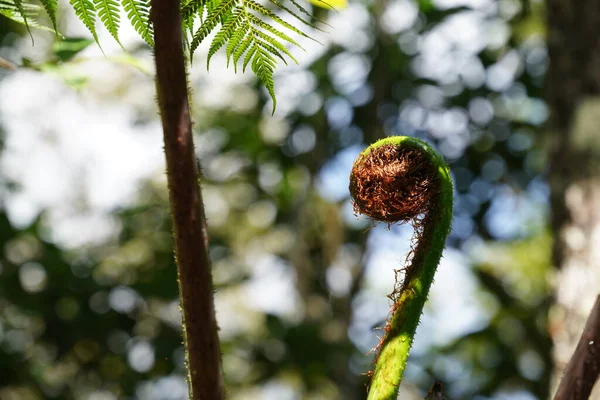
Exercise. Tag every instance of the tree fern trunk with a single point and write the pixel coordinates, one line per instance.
(573, 85)
(189, 222)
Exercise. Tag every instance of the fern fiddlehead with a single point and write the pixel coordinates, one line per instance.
(402, 179)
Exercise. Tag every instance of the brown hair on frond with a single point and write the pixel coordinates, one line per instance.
(395, 184)
(392, 184)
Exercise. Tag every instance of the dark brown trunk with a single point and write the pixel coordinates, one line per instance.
(189, 222)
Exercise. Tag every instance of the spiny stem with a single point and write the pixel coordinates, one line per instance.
(403, 179)
(189, 222)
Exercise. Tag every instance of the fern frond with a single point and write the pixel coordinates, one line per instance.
(254, 6)
(263, 66)
(212, 20)
(50, 6)
(108, 11)
(21, 10)
(248, 57)
(227, 30)
(10, 8)
(24, 13)
(138, 12)
(299, 18)
(189, 8)
(248, 30)
(239, 51)
(86, 12)
(259, 22)
(235, 40)
(271, 49)
(269, 43)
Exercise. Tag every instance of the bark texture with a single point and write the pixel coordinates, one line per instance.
(573, 84)
(582, 371)
(189, 222)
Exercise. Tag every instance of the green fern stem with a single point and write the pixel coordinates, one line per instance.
(403, 179)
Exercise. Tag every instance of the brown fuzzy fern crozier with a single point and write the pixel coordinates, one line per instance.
(402, 179)
(392, 184)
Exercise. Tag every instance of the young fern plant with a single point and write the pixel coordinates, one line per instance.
(251, 33)
(403, 179)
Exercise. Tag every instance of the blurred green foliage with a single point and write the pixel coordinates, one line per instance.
(102, 322)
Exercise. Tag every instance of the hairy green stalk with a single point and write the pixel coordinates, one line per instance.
(403, 179)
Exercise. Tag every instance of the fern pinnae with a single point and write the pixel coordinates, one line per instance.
(271, 50)
(269, 43)
(205, 28)
(108, 11)
(299, 18)
(305, 12)
(210, 6)
(263, 66)
(138, 12)
(225, 33)
(50, 6)
(248, 57)
(21, 10)
(236, 40)
(86, 12)
(254, 6)
(259, 22)
(188, 11)
(188, 31)
(28, 17)
(213, 18)
(302, 9)
(240, 51)
(244, 33)
(189, 8)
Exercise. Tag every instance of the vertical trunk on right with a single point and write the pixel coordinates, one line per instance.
(573, 85)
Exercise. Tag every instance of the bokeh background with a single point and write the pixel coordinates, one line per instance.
(88, 293)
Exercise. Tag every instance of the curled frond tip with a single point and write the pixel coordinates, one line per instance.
(393, 182)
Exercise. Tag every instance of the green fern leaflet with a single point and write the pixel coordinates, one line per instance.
(108, 11)
(86, 12)
(250, 33)
(138, 12)
(249, 29)
(27, 13)
(50, 6)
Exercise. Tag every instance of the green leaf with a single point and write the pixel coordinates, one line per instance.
(27, 15)
(248, 57)
(212, 20)
(299, 18)
(240, 51)
(68, 48)
(108, 11)
(235, 40)
(257, 21)
(138, 12)
(263, 66)
(19, 5)
(244, 32)
(268, 13)
(302, 10)
(225, 33)
(50, 6)
(86, 12)
(271, 49)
